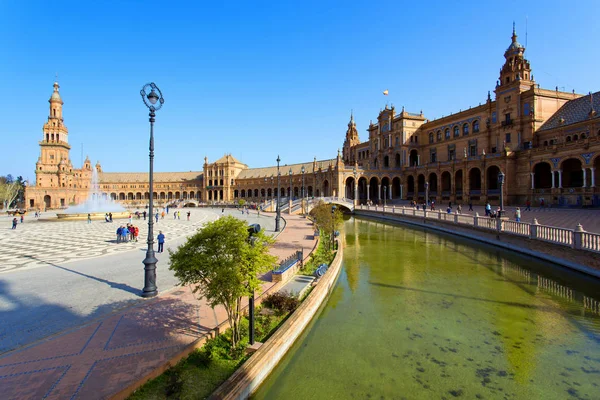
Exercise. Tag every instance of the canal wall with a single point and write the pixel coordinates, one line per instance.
(575, 259)
(257, 368)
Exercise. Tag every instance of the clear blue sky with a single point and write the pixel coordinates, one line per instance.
(258, 79)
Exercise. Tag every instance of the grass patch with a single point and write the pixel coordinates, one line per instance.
(322, 255)
(201, 373)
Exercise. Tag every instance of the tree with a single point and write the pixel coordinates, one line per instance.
(222, 266)
(326, 221)
(9, 189)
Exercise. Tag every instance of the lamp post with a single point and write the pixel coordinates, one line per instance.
(272, 189)
(290, 192)
(501, 184)
(278, 214)
(302, 193)
(384, 196)
(153, 99)
(426, 194)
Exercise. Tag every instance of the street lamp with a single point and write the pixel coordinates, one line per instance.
(154, 102)
(355, 172)
(384, 195)
(302, 192)
(426, 194)
(278, 215)
(501, 184)
(290, 193)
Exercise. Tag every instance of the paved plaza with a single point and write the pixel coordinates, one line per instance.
(107, 342)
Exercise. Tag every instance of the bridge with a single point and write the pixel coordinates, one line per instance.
(338, 201)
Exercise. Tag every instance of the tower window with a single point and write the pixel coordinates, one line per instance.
(507, 139)
(456, 131)
(508, 79)
(439, 135)
(54, 110)
(447, 133)
(465, 129)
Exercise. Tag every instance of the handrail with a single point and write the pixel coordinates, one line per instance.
(575, 238)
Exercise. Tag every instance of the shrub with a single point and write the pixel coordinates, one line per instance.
(281, 303)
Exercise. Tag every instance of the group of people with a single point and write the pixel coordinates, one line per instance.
(127, 233)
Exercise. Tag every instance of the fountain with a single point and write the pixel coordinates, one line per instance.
(96, 205)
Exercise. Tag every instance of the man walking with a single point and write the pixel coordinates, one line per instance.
(14, 223)
(89, 218)
(470, 205)
(161, 241)
(157, 217)
(144, 215)
(518, 214)
(528, 205)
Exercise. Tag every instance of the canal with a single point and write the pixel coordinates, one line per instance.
(421, 315)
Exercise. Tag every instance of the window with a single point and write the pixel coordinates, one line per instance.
(451, 153)
(432, 155)
(447, 133)
(575, 137)
(465, 129)
(507, 79)
(416, 139)
(456, 131)
(568, 138)
(411, 139)
(439, 135)
(475, 126)
(493, 117)
(507, 139)
(430, 137)
(507, 118)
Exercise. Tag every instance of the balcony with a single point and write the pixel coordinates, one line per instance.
(507, 123)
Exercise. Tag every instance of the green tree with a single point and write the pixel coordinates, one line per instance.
(326, 221)
(241, 202)
(10, 189)
(222, 266)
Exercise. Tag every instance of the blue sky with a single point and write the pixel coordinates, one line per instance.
(258, 79)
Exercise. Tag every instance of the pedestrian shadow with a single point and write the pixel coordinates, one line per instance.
(115, 285)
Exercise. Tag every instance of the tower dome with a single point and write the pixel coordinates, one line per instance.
(55, 95)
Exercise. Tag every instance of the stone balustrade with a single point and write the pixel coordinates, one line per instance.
(574, 238)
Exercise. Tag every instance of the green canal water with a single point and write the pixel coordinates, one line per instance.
(420, 315)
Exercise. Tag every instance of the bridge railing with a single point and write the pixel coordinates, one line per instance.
(575, 238)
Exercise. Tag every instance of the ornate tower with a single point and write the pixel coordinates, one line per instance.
(54, 168)
(351, 140)
(516, 68)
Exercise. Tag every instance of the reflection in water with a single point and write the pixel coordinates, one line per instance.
(420, 315)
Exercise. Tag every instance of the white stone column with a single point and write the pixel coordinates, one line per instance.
(560, 178)
(378, 192)
(401, 192)
(418, 159)
(368, 192)
(390, 192)
(592, 171)
(532, 184)
(553, 185)
(584, 182)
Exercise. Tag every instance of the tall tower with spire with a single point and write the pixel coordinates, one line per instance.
(54, 168)
(516, 68)
(351, 140)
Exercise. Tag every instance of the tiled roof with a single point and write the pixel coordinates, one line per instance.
(266, 172)
(117, 177)
(572, 112)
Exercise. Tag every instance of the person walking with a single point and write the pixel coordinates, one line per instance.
(162, 214)
(144, 215)
(157, 217)
(119, 230)
(528, 205)
(470, 205)
(459, 209)
(175, 215)
(22, 218)
(541, 203)
(14, 223)
(518, 214)
(130, 218)
(89, 218)
(161, 241)
(110, 216)
(188, 215)
(488, 209)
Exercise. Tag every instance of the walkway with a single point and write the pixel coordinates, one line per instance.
(104, 357)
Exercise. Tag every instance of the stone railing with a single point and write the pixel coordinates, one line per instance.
(575, 238)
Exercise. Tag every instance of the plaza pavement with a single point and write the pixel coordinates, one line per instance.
(109, 350)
